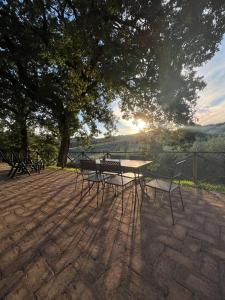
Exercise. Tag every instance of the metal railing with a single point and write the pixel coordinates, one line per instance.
(199, 166)
(204, 166)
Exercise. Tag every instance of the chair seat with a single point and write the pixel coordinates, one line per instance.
(133, 175)
(118, 180)
(86, 172)
(110, 173)
(97, 177)
(162, 185)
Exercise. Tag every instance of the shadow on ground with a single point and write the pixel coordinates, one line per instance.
(55, 244)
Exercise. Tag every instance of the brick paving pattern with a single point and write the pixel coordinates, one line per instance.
(54, 245)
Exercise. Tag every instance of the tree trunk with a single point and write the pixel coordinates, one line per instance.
(65, 139)
(24, 138)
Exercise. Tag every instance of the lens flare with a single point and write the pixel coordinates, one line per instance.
(140, 125)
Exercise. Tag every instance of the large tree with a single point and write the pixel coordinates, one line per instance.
(174, 38)
(78, 56)
(42, 73)
(19, 51)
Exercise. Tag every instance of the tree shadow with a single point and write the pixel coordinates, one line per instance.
(112, 254)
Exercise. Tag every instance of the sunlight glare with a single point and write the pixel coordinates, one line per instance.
(140, 125)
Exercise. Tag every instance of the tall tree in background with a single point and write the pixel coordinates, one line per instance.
(19, 51)
(174, 37)
(72, 58)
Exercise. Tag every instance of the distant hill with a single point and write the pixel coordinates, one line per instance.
(214, 129)
(134, 142)
(114, 143)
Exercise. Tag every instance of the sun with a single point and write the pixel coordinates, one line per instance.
(140, 125)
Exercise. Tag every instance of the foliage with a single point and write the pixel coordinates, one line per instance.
(18, 71)
(195, 138)
(45, 145)
(8, 139)
(63, 62)
(212, 143)
(44, 54)
(174, 37)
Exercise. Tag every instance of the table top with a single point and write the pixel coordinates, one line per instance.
(130, 163)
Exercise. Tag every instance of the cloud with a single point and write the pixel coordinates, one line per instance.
(211, 104)
(218, 100)
(211, 115)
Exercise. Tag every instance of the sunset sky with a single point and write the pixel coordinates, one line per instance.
(211, 104)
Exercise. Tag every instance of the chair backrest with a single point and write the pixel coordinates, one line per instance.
(83, 156)
(107, 155)
(8, 157)
(113, 166)
(2, 156)
(88, 165)
(177, 172)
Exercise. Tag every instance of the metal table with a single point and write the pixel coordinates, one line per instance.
(130, 164)
(134, 166)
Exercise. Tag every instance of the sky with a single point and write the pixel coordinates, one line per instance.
(211, 103)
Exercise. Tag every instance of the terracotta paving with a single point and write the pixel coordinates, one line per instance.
(54, 245)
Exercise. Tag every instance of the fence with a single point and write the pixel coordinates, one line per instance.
(199, 166)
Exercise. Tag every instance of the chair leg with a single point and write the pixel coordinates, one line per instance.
(142, 191)
(10, 172)
(82, 186)
(97, 193)
(82, 195)
(146, 190)
(142, 196)
(16, 169)
(76, 180)
(181, 198)
(114, 190)
(25, 169)
(89, 188)
(132, 195)
(162, 197)
(122, 200)
(137, 194)
(103, 191)
(171, 208)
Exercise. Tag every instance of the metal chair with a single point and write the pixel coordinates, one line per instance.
(90, 173)
(118, 180)
(168, 184)
(26, 165)
(7, 157)
(17, 165)
(78, 169)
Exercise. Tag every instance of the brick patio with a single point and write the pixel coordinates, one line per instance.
(55, 246)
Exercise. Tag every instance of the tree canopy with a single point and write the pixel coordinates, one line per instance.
(63, 62)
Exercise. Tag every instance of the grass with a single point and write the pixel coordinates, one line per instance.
(59, 168)
(204, 186)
